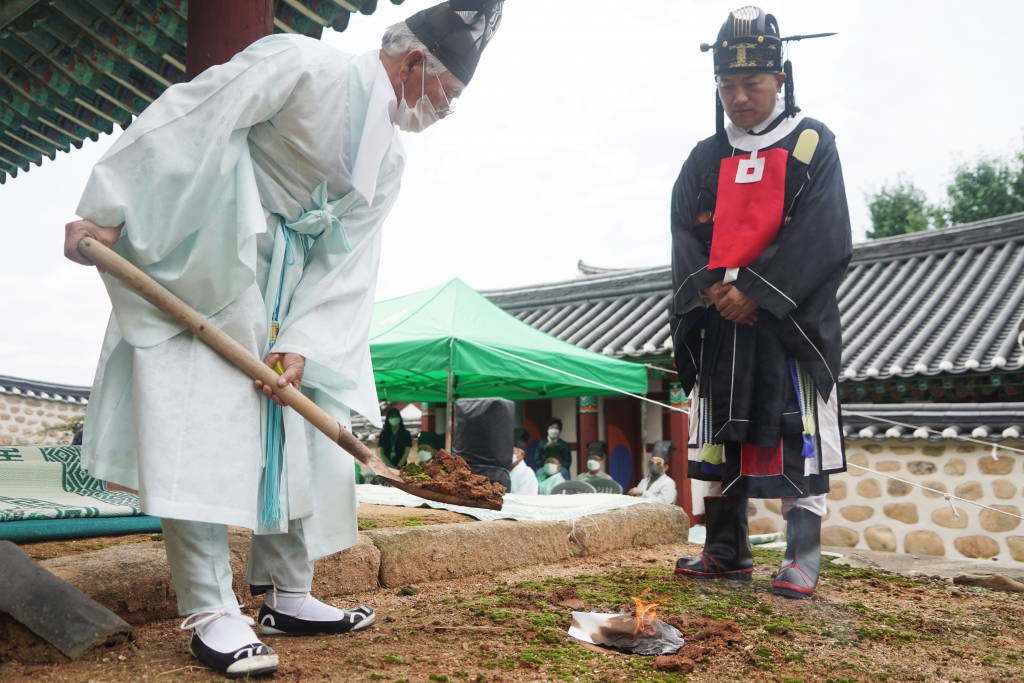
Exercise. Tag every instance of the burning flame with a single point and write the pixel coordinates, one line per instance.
(645, 612)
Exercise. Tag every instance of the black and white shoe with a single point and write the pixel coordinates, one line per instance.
(275, 623)
(255, 659)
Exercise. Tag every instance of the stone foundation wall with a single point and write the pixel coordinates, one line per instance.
(22, 420)
(872, 512)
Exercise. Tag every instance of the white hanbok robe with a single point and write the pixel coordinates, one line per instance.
(202, 181)
(663, 489)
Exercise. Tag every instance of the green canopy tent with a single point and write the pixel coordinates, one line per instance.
(450, 342)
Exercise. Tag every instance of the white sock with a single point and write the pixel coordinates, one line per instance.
(224, 630)
(301, 606)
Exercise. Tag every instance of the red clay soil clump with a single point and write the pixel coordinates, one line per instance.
(704, 637)
(449, 474)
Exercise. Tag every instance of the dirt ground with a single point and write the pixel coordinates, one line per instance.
(861, 626)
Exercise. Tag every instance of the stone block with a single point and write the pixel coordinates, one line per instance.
(898, 488)
(869, 488)
(353, 570)
(998, 523)
(1001, 465)
(761, 526)
(880, 538)
(1016, 545)
(838, 490)
(857, 459)
(903, 512)
(839, 536)
(902, 450)
(978, 547)
(933, 451)
(132, 581)
(887, 466)
(937, 485)
(921, 467)
(971, 490)
(774, 505)
(955, 467)
(1003, 489)
(873, 448)
(857, 513)
(944, 517)
(751, 509)
(923, 543)
(994, 582)
(966, 448)
(449, 551)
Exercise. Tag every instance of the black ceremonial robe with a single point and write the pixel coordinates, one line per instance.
(744, 395)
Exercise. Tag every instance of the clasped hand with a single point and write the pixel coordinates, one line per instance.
(294, 365)
(76, 231)
(732, 304)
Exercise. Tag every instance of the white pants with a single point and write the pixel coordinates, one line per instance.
(815, 504)
(201, 563)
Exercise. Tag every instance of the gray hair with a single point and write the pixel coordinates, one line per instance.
(400, 40)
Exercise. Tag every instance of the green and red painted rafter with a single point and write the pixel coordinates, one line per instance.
(71, 69)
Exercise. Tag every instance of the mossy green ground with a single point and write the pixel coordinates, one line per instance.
(861, 626)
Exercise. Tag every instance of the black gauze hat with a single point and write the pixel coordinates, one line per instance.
(456, 32)
(749, 41)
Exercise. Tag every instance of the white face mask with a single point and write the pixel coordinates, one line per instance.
(425, 456)
(593, 465)
(422, 116)
(552, 469)
(553, 433)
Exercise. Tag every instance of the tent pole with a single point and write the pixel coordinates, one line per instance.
(449, 416)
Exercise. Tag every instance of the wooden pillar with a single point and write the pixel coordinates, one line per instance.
(428, 421)
(220, 29)
(588, 430)
(679, 435)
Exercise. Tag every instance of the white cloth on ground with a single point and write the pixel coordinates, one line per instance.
(524, 480)
(661, 489)
(202, 180)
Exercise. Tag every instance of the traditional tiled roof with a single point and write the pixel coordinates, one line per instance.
(940, 301)
(63, 393)
(986, 421)
(71, 69)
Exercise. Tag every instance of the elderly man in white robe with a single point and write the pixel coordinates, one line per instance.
(657, 485)
(257, 193)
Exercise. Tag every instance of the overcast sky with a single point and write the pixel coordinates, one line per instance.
(567, 142)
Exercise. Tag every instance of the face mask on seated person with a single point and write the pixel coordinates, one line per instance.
(593, 465)
(552, 469)
(553, 433)
(393, 421)
(425, 456)
(657, 471)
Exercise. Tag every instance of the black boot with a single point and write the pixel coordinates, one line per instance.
(798, 576)
(727, 553)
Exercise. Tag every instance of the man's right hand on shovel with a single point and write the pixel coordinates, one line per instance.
(76, 231)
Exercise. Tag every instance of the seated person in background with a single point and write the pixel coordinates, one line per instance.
(394, 441)
(595, 463)
(552, 473)
(523, 478)
(657, 485)
(560, 445)
(427, 446)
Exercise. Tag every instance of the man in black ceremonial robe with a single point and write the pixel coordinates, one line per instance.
(760, 243)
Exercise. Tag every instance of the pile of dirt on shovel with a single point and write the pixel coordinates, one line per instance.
(449, 474)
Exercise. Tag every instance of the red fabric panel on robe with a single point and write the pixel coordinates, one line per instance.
(747, 215)
(758, 461)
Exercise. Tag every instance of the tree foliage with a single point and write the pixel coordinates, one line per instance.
(988, 188)
(897, 209)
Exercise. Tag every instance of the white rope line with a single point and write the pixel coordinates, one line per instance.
(585, 379)
(661, 369)
(933, 431)
(949, 497)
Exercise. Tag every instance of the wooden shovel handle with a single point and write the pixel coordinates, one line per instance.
(153, 292)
